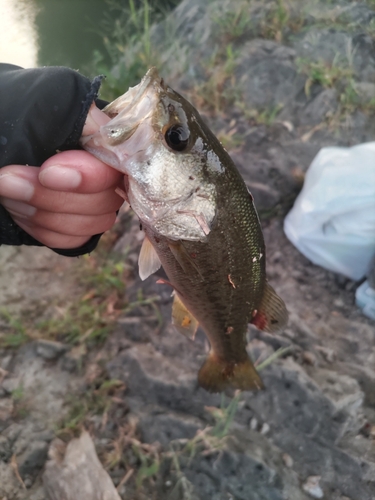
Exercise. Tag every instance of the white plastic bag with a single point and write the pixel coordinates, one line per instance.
(332, 221)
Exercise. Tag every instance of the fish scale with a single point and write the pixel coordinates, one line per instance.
(200, 224)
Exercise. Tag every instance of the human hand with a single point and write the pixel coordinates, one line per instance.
(70, 198)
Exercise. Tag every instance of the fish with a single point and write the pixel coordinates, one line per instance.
(200, 224)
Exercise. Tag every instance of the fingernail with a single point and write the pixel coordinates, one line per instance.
(15, 187)
(60, 178)
(18, 208)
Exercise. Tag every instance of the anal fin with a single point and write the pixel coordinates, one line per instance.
(272, 315)
(148, 260)
(182, 319)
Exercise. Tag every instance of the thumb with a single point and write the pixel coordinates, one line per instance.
(95, 119)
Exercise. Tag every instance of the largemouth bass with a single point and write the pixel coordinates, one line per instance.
(200, 224)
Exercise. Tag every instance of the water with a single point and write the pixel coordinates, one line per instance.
(69, 31)
(59, 32)
(18, 39)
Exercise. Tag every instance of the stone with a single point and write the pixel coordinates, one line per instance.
(6, 408)
(311, 486)
(32, 460)
(49, 350)
(74, 471)
(164, 428)
(5, 449)
(317, 109)
(266, 74)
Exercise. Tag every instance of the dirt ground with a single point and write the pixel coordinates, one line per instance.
(316, 417)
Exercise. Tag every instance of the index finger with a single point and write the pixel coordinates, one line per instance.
(78, 171)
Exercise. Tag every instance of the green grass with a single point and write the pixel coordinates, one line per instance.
(219, 90)
(97, 399)
(128, 44)
(325, 74)
(17, 334)
(232, 24)
(90, 316)
(338, 75)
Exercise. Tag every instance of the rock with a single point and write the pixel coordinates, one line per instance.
(49, 350)
(6, 409)
(267, 75)
(265, 197)
(31, 461)
(311, 486)
(318, 108)
(342, 390)
(158, 379)
(365, 91)
(232, 471)
(269, 179)
(167, 427)
(302, 418)
(10, 487)
(5, 449)
(74, 471)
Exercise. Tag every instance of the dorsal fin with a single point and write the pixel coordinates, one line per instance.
(148, 260)
(182, 319)
(272, 315)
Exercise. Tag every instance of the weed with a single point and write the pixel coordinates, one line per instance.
(224, 416)
(20, 408)
(104, 274)
(149, 465)
(234, 23)
(340, 76)
(17, 335)
(128, 44)
(18, 394)
(213, 438)
(219, 90)
(264, 117)
(325, 74)
(89, 317)
(96, 400)
(275, 22)
(273, 357)
(230, 140)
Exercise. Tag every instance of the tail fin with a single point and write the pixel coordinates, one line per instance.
(217, 375)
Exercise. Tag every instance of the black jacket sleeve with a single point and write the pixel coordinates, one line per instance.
(42, 111)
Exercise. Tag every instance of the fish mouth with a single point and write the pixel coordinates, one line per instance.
(151, 83)
(131, 113)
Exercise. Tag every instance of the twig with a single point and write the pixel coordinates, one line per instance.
(125, 479)
(14, 465)
(273, 357)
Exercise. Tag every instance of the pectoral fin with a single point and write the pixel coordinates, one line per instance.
(272, 315)
(182, 256)
(182, 319)
(148, 260)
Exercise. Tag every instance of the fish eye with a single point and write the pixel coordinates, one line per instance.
(177, 137)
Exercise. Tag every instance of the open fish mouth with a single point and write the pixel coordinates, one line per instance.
(132, 114)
